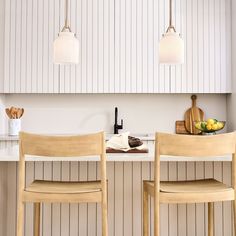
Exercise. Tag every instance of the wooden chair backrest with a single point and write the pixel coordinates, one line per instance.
(194, 146)
(61, 146)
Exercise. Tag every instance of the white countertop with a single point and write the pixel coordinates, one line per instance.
(143, 137)
(12, 154)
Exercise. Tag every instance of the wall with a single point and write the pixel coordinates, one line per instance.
(88, 113)
(2, 27)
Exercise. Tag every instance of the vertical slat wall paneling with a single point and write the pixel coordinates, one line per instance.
(47, 207)
(176, 82)
(38, 174)
(167, 68)
(200, 207)
(65, 209)
(128, 217)
(98, 209)
(227, 207)
(217, 29)
(194, 25)
(161, 28)
(191, 208)
(111, 197)
(29, 217)
(200, 41)
(146, 175)
(7, 54)
(218, 206)
(209, 173)
(92, 208)
(164, 208)
(173, 210)
(83, 207)
(137, 199)
(189, 46)
(206, 57)
(182, 208)
(156, 36)
(212, 51)
(94, 62)
(11, 198)
(139, 45)
(183, 13)
(118, 47)
(133, 46)
(119, 199)
(56, 207)
(128, 28)
(3, 198)
(74, 208)
(150, 47)
(122, 45)
(227, 28)
(145, 47)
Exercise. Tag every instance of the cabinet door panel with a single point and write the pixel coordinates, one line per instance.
(118, 46)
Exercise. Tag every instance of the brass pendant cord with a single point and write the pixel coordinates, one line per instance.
(171, 27)
(66, 26)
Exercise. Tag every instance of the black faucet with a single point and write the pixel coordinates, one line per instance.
(116, 126)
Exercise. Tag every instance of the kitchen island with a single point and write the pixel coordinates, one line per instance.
(125, 173)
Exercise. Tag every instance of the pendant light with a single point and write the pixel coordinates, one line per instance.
(66, 46)
(171, 46)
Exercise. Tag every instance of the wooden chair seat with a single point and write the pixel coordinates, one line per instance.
(59, 187)
(191, 191)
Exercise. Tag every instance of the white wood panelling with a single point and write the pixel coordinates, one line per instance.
(124, 195)
(118, 47)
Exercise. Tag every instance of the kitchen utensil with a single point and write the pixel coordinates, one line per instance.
(8, 113)
(180, 127)
(191, 115)
(111, 150)
(22, 112)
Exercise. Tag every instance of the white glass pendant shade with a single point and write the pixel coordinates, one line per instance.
(66, 49)
(171, 49)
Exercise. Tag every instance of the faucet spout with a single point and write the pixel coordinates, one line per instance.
(116, 125)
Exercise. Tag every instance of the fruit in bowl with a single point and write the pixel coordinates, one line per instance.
(210, 126)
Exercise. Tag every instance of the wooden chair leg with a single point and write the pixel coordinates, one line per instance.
(104, 218)
(156, 216)
(210, 218)
(145, 213)
(20, 218)
(37, 219)
(234, 210)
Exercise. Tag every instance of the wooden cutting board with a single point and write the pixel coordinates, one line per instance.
(193, 114)
(180, 127)
(111, 150)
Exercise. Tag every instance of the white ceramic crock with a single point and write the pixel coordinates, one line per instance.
(14, 126)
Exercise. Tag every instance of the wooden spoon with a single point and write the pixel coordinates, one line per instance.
(18, 114)
(8, 113)
(22, 112)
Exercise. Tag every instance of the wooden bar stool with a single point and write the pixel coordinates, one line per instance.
(196, 191)
(54, 191)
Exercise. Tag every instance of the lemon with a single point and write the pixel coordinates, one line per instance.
(210, 121)
(198, 125)
(209, 126)
(220, 125)
(214, 126)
